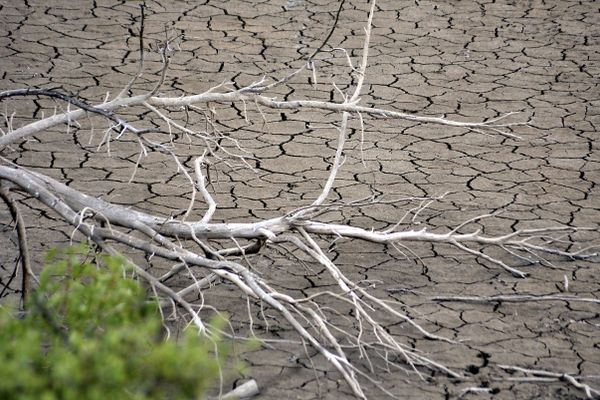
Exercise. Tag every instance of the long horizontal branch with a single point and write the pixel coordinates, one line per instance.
(261, 229)
(514, 299)
(270, 228)
(57, 95)
(351, 107)
(590, 392)
(264, 229)
(244, 94)
(66, 117)
(424, 235)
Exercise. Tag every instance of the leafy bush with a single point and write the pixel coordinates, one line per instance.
(91, 333)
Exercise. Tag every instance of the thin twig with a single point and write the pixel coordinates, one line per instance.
(326, 40)
(590, 392)
(26, 270)
(516, 298)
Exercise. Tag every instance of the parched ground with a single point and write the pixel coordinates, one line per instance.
(467, 60)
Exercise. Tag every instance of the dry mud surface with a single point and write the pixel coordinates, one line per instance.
(469, 60)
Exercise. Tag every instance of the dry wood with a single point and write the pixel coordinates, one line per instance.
(106, 223)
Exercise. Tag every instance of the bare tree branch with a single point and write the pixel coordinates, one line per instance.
(211, 252)
(590, 392)
(25, 258)
(514, 299)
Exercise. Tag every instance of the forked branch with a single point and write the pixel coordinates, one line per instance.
(298, 230)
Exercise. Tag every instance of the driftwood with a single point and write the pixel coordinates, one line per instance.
(107, 224)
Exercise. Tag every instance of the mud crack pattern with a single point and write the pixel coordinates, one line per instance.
(468, 60)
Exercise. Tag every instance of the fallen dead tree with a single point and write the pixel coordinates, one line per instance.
(107, 224)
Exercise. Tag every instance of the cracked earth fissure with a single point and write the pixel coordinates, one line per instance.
(466, 61)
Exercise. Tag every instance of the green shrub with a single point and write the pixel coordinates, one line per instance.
(91, 333)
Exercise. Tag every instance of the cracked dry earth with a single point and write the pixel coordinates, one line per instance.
(469, 60)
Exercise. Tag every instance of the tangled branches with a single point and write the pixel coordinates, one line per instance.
(212, 252)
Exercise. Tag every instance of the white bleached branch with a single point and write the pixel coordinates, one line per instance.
(297, 230)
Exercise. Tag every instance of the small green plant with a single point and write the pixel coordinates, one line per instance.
(91, 333)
